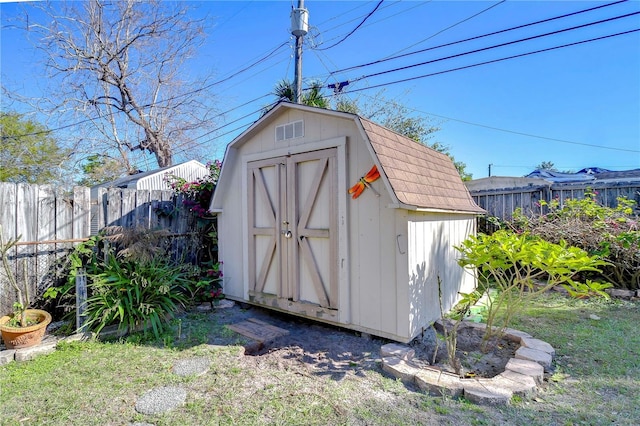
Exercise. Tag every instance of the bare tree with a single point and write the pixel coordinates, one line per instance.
(120, 67)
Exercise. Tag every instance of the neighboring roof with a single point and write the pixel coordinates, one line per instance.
(589, 174)
(552, 176)
(603, 174)
(420, 176)
(189, 170)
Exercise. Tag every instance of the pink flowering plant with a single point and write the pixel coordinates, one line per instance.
(209, 286)
(197, 194)
(206, 273)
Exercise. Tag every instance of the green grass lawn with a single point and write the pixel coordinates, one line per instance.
(596, 381)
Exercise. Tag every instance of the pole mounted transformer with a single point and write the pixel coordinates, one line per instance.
(299, 28)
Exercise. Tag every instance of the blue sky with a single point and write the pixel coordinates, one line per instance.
(584, 99)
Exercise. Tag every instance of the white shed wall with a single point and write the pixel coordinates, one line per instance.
(189, 171)
(231, 234)
(372, 248)
(431, 253)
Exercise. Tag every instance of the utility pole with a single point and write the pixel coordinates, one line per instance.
(490, 169)
(299, 28)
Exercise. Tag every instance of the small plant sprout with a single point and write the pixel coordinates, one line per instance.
(22, 303)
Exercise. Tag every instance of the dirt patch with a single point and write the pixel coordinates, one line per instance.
(309, 347)
(473, 362)
(315, 348)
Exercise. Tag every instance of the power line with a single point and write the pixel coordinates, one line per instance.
(200, 89)
(452, 26)
(495, 46)
(533, 136)
(190, 142)
(363, 4)
(497, 60)
(355, 29)
(478, 37)
(515, 132)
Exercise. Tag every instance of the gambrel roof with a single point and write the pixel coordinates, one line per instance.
(420, 176)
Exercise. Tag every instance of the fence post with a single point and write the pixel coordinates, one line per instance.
(81, 299)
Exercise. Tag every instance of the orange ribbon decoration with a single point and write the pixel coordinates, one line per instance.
(357, 189)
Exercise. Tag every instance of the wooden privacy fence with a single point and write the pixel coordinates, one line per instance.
(502, 203)
(49, 223)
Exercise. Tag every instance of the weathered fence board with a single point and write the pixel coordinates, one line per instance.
(503, 202)
(36, 213)
(46, 221)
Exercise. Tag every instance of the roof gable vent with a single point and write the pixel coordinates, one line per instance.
(290, 131)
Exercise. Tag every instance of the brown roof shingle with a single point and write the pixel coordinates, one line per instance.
(419, 176)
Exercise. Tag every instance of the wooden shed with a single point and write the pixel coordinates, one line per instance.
(292, 238)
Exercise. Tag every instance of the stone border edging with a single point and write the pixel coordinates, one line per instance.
(47, 346)
(521, 377)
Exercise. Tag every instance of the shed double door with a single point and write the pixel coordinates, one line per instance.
(292, 219)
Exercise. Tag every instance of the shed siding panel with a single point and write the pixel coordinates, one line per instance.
(372, 239)
(432, 238)
(402, 273)
(232, 236)
(387, 270)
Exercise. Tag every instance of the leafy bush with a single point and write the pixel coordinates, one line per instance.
(133, 294)
(611, 233)
(131, 280)
(519, 266)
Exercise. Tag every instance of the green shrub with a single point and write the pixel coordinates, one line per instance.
(611, 233)
(131, 280)
(519, 266)
(133, 294)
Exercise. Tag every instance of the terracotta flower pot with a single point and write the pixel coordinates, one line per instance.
(25, 337)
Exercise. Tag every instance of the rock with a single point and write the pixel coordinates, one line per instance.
(438, 382)
(397, 350)
(204, 307)
(620, 293)
(7, 356)
(191, 366)
(519, 384)
(79, 337)
(225, 304)
(542, 358)
(161, 400)
(529, 342)
(27, 354)
(53, 326)
(486, 392)
(594, 317)
(515, 335)
(399, 369)
(527, 368)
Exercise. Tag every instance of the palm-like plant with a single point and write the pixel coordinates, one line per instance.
(313, 96)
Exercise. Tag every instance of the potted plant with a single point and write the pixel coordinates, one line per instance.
(25, 327)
